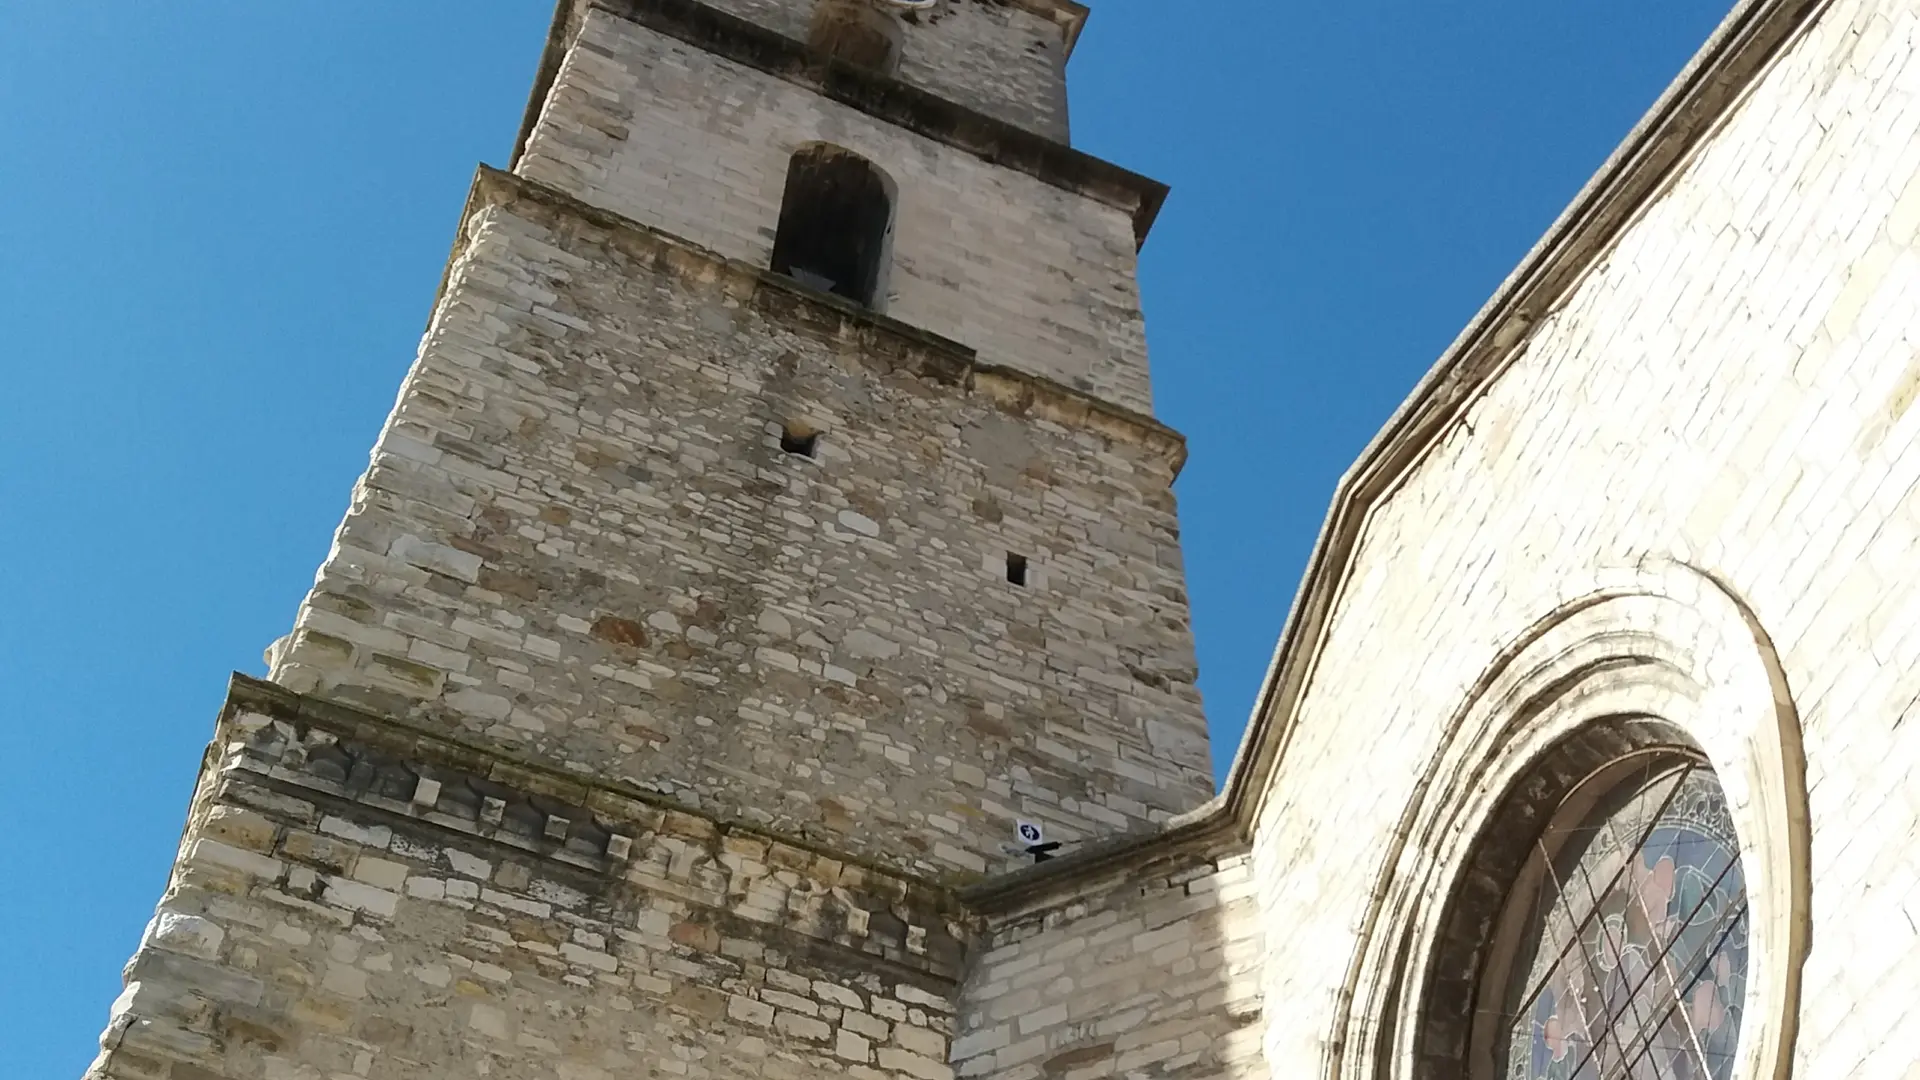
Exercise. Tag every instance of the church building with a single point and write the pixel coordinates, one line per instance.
(759, 644)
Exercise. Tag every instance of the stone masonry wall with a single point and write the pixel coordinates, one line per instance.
(999, 58)
(1732, 387)
(1033, 276)
(1152, 976)
(580, 539)
(351, 901)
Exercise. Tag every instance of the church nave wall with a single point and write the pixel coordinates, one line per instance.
(1727, 391)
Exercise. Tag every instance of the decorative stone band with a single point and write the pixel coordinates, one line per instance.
(492, 886)
(278, 740)
(885, 343)
(274, 744)
(877, 95)
(1198, 837)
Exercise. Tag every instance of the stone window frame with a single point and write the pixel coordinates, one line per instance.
(1655, 655)
(812, 153)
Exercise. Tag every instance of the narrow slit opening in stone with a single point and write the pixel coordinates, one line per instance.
(1016, 568)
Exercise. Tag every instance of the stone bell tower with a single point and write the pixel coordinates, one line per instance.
(773, 516)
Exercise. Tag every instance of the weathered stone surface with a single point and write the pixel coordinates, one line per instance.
(507, 946)
(747, 630)
(1037, 278)
(1006, 60)
(1718, 406)
(671, 751)
(188, 934)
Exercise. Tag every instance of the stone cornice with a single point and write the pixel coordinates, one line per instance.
(879, 96)
(886, 341)
(398, 771)
(274, 748)
(609, 800)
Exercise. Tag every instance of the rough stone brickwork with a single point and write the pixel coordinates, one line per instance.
(1007, 60)
(674, 752)
(1034, 275)
(1730, 386)
(580, 538)
(355, 900)
(1153, 973)
(695, 639)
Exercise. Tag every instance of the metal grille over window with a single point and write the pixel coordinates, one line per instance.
(1626, 940)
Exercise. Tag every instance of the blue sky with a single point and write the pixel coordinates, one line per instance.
(221, 225)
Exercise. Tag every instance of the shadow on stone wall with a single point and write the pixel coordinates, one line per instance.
(1154, 974)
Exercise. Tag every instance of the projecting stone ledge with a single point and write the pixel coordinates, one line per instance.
(881, 96)
(349, 883)
(884, 343)
(405, 771)
(394, 769)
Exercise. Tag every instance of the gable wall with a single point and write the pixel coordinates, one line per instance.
(1730, 387)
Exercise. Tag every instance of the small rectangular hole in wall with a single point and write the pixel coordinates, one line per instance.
(1016, 569)
(799, 440)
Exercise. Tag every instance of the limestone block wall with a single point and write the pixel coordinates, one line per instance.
(355, 900)
(580, 539)
(1155, 974)
(1730, 387)
(1006, 60)
(1033, 276)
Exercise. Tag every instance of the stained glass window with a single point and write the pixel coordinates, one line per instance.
(1630, 958)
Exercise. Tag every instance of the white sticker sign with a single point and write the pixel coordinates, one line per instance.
(1030, 833)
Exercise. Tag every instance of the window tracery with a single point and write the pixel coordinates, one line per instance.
(1622, 952)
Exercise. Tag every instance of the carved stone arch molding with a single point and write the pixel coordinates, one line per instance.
(1657, 655)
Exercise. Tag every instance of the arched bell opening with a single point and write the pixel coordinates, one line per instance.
(835, 222)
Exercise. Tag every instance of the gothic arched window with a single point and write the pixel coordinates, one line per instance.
(1621, 950)
(834, 220)
(856, 32)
